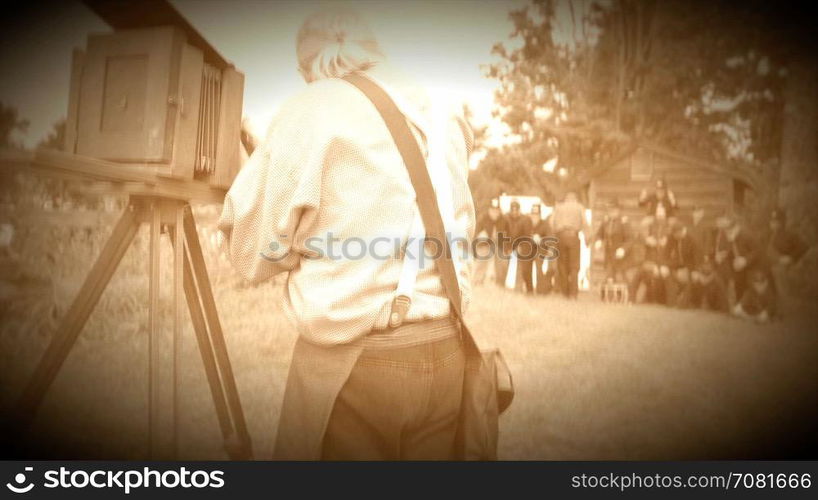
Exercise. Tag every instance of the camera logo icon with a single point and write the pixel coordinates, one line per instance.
(19, 479)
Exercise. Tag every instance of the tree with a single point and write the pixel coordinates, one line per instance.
(10, 123)
(704, 78)
(55, 138)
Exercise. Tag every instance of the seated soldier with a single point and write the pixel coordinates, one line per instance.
(650, 283)
(759, 302)
(708, 290)
(682, 255)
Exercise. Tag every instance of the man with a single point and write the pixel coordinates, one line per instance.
(518, 241)
(721, 248)
(759, 303)
(489, 227)
(543, 238)
(530, 257)
(701, 232)
(661, 203)
(652, 282)
(568, 220)
(708, 291)
(329, 171)
(743, 256)
(614, 235)
(784, 248)
(682, 258)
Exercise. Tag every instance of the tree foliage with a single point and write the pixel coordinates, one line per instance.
(10, 123)
(702, 78)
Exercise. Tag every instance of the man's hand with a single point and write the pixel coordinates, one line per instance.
(620, 253)
(739, 263)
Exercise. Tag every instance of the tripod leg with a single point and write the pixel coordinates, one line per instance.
(162, 353)
(208, 303)
(77, 315)
(203, 338)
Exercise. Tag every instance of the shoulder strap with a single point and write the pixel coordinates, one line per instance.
(425, 192)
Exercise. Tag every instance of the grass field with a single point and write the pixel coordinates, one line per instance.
(594, 381)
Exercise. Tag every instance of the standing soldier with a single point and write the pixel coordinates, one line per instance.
(613, 235)
(661, 203)
(743, 257)
(539, 230)
(784, 248)
(721, 249)
(568, 220)
(519, 236)
(488, 229)
(701, 232)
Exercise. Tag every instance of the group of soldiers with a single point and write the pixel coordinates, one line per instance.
(714, 263)
(545, 251)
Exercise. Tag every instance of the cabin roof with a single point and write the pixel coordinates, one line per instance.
(689, 159)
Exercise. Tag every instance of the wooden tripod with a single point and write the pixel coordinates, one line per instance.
(189, 278)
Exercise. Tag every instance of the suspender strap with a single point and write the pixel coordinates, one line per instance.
(426, 198)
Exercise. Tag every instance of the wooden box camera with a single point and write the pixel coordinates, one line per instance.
(148, 97)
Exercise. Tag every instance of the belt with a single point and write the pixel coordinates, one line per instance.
(413, 333)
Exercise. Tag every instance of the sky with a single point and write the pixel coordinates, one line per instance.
(443, 44)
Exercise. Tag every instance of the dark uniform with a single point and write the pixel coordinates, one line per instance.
(708, 290)
(492, 224)
(614, 233)
(661, 203)
(655, 271)
(518, 239)
(682, 258)
(784, 248)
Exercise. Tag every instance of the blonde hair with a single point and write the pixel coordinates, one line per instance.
(333, 43)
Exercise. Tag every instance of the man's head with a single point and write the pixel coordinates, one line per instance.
(661, 188)
(515, 208)
(536, 213)
(334, 42)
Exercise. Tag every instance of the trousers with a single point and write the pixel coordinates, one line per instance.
(399, 403)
